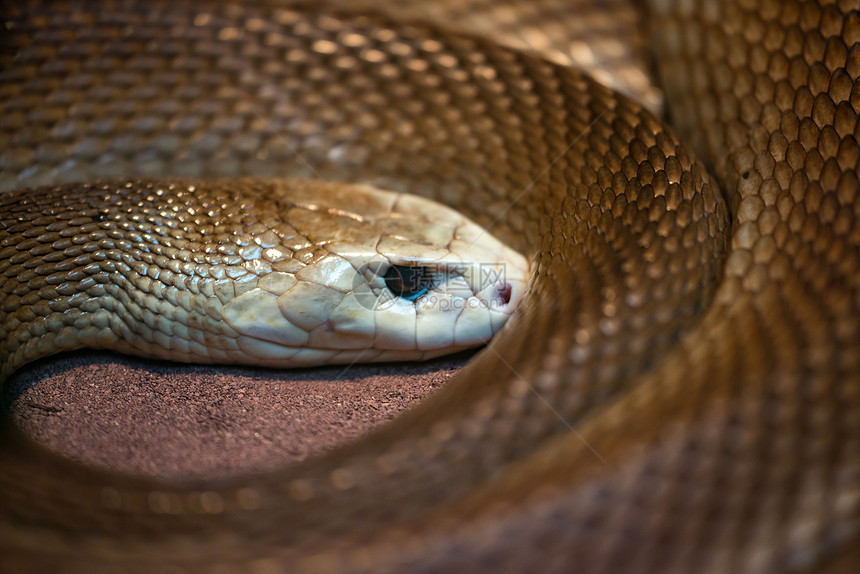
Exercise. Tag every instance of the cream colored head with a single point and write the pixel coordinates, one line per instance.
(360, 274)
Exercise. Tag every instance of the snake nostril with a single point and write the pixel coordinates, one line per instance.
(504, 292)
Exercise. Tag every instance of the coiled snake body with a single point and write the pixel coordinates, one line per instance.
(702, 353)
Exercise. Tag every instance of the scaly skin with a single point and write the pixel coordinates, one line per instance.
(282, 273)
(709, 369)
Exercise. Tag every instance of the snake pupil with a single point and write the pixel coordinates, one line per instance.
(407, 282)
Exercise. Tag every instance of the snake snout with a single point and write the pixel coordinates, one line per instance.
(503, 297)
(504, 290)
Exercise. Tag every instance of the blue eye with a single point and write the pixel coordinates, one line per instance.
(408, 282)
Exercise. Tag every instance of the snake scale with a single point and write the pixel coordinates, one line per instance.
(679, 389)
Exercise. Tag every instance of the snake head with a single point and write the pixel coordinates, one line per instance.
(374, 276)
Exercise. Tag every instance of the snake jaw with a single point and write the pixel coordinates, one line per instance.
(310, 323)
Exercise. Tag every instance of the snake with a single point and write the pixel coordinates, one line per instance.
(677, 389)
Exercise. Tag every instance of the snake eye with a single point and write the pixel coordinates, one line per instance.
(408, 282)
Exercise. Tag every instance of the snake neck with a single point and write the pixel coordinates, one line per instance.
(126, 277)
(100, 311)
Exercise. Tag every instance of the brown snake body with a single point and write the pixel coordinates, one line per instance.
(703, 354)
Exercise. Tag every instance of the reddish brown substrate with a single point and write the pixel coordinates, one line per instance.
(170, 420)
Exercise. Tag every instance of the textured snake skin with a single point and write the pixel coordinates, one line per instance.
(679, 391)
